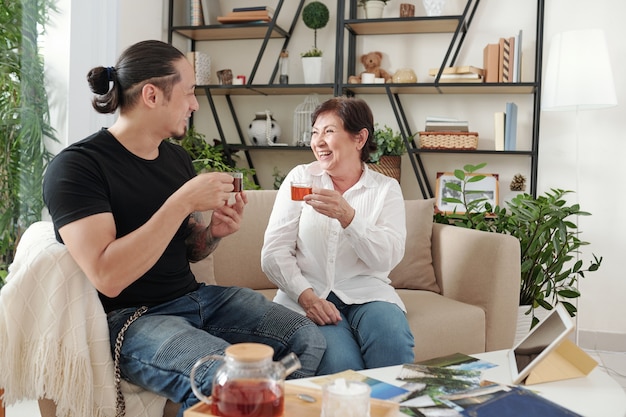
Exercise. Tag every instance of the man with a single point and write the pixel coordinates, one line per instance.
(126, 204)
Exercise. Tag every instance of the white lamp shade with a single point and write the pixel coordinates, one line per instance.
(578, 74)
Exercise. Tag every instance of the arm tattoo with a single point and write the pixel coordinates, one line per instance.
(200, 242)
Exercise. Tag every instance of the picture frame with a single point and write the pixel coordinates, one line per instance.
(489, 188)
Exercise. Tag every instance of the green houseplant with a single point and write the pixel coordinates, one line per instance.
(388, 142)
(315, 15)
(24, 121)
(211, 158)
(387, 159)
(548, 235)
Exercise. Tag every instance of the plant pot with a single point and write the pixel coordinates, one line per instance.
(374, 9)
(525, 320)
(312, 69)
(389, 165)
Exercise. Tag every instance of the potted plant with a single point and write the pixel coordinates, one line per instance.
(549, 239)
(212, 158)
(390, 147)
(25, 123)
(373, 8)
(315, 15)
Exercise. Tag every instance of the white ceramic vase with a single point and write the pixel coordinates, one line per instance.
(434, 7)
(312, 69)
(374, 9)
(525, 320)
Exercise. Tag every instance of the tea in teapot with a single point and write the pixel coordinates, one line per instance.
(249, 383)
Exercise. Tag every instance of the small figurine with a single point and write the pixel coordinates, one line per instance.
(371, 61)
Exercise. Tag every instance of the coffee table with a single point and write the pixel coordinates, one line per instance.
(596, 395)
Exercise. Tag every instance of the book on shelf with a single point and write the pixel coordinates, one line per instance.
(259, 14)
(210, 11)
(491, 62)
(450, 126)
(461, 78)
(465, 69)
(442, 119)
(510, 127)
(498, 123)
(253, 9)
(246, 16)
(517, 58)
(195, 13)
(506, 58)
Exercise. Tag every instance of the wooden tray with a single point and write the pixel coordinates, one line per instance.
(295, 407)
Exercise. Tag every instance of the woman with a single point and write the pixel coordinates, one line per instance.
(331, 255)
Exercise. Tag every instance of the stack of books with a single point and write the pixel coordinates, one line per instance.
(445, 124)
(248, 14)
(463, 74)
(503, 60)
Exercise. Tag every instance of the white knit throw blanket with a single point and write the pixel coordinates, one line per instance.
(54, 336)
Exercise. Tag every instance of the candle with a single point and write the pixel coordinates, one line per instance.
(342, 398)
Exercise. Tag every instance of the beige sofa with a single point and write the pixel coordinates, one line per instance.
(460, 287)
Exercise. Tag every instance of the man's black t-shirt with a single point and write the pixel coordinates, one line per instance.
(99, 175)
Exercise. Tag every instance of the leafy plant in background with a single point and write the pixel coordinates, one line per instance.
(549, 239)
(315, 15)
(24, 121)
(388, 143)
(211, 158)
(279, 177)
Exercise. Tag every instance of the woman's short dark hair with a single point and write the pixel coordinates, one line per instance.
(355, 115)
(144, 62)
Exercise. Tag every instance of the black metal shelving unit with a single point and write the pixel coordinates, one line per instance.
(457, 26)
(349, 28)
(263, 32)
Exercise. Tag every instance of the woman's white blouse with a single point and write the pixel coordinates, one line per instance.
(304, 249)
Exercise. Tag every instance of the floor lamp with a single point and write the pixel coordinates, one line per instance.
(578, 77)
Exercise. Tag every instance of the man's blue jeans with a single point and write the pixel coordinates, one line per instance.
(161, 347)
(369, 335)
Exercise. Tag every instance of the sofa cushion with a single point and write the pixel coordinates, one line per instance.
(415, 271)
(443, 326)
(203, 270)
(237, 259)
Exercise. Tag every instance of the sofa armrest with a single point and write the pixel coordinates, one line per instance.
(482, 269)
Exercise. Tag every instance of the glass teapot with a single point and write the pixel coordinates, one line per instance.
(249, 383)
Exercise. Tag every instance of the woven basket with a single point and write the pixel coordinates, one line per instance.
(388, 165)
(448, 140)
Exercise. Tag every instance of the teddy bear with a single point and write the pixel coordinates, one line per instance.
(371, 61)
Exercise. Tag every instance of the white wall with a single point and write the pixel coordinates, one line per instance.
(600, 160)
(601, 149)
(81, 36)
